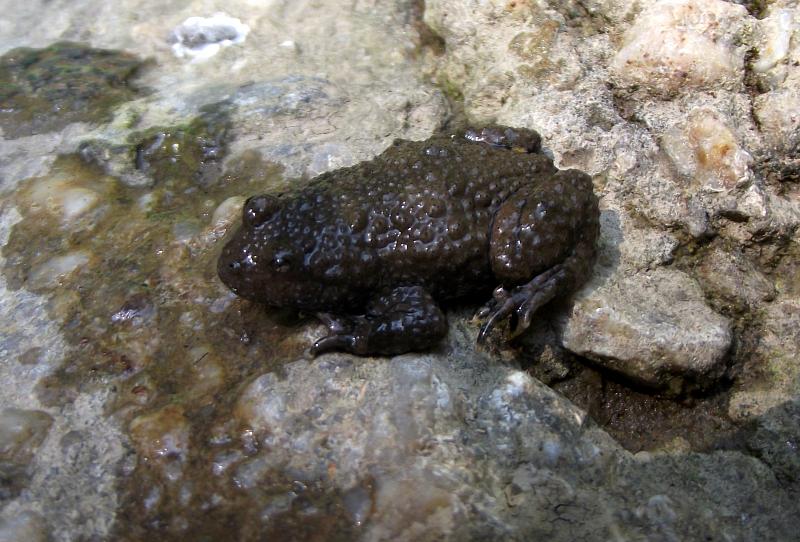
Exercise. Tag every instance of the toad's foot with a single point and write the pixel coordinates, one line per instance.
(400, 320)
(522, 302)
(543, 241)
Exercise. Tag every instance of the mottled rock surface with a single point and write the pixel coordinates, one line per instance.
(678, 44)
(45, 89)
(142, 400)
(672, 141)
(413, 439)
(654, 327)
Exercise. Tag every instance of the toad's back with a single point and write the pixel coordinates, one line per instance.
(424, 221)
(420, 214)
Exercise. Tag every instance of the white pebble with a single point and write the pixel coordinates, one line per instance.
(200, 38)
(777, 34)
(227, 212)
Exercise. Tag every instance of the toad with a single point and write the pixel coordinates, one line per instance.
(372, 249)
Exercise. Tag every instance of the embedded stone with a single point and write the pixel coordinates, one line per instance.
(678, 44)
(653, 327)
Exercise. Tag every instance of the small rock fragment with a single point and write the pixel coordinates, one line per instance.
(162, 437)
(56, 195)
(358, 504)
(654, 328)
(679, 44)
(774, 36)
(227, 212)
(55, 270)
(731, 278)
(68, 194)
(720, 161)
(778, 117)
(200, 38)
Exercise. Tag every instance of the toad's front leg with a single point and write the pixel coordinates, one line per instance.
(543, 244)
(403, 319)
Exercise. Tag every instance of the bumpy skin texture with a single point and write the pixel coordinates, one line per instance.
(371, 248)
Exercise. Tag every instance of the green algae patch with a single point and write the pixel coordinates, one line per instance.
(189, 152)
(129, 274)
(45, 89)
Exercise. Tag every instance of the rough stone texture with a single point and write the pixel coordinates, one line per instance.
(776, 440)
(654, 327)
(776, 72)
(71, 455)
(672, 143)
(442, 439)
(313, 90)
(693, 150)
(733, 279)
(675, 44)
(21, 432)
(25, 526)
(693, 144)
(775, 358)
(307, 74)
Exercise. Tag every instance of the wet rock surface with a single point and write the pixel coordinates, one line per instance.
(142, 400)
(46, 89)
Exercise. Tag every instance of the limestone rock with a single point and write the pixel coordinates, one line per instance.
(419, 444)
(653, 327)
(734, 279)
(679, 44)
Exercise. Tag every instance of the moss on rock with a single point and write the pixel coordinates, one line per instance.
(45, 89)
(193, 151)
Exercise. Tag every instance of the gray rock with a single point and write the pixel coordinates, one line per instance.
(653, 327)
(314, 124)
(776, 441)
(458, 443)
(443, 440)
(21, 433)
(732, 279)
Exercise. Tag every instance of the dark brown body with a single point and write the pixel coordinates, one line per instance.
(446, 217)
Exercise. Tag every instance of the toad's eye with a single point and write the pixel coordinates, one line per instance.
(259, 209)
(281, 261)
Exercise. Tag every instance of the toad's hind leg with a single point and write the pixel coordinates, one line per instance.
(400, 320)
(542, 245)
